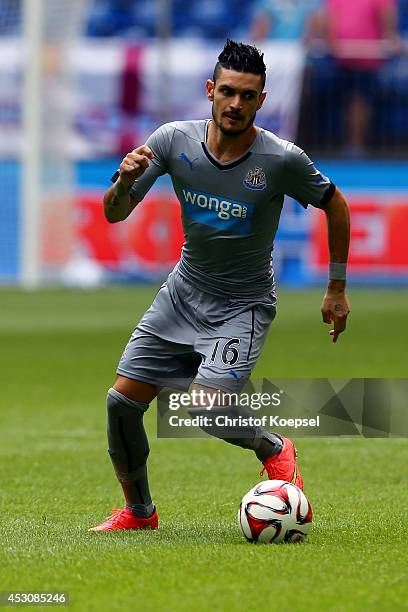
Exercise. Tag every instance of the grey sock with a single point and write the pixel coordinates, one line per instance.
(129, 448)
(141, 510)
(260, 440)
(270, 444)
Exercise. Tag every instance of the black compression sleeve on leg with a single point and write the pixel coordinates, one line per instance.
(234, 427)
(128, 446)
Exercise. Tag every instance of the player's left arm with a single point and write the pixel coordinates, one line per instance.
(303, 182)
(335, 307)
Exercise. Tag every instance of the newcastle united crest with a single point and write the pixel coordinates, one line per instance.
(255, 179)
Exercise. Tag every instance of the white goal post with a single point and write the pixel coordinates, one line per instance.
(50, 28)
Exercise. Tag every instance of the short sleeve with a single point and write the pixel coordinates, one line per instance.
(160, 143)
(303, 182)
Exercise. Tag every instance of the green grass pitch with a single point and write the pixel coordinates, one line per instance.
(57, 359)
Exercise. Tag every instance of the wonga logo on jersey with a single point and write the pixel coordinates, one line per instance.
(218, 212)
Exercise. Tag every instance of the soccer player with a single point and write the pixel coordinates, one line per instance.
(209, 320)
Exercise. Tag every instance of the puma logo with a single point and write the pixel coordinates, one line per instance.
(188, 161)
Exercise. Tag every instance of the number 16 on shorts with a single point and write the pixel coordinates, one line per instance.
(227, 351)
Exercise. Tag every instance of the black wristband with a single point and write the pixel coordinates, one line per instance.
(115, 177)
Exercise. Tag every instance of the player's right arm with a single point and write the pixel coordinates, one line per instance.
(118, 202)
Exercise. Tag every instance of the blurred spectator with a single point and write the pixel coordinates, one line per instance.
(284, 19)
(403, 17)
(360, 35)
(188, 18)
(10, 17)
(121, 18)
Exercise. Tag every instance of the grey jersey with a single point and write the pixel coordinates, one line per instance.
(230, 211)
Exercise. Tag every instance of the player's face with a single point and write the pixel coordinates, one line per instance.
(236, 98)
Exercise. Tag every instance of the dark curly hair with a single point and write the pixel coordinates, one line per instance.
(242, 58)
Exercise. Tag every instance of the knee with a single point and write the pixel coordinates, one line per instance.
(119, 404)
(135, 390)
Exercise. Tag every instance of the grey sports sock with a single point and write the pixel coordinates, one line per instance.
(141, 509)
(260, 440)
(129, 450)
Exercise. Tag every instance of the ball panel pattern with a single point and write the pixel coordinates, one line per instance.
(275, 511)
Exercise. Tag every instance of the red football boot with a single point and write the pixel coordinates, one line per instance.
(124, 518)
(283, 466)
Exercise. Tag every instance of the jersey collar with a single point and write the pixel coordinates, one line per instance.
(224, 165)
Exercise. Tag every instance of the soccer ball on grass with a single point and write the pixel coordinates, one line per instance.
(275, 511)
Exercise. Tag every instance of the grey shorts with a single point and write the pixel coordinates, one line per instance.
(190, 335)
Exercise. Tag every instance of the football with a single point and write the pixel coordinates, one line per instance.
(275, 511)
